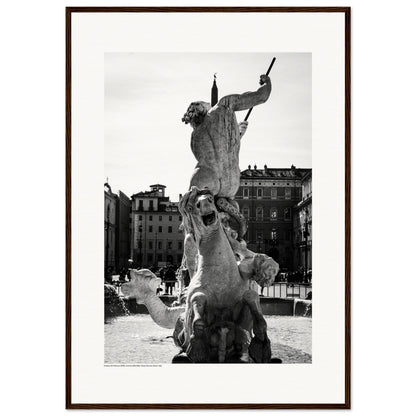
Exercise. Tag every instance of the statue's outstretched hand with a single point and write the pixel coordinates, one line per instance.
(265, 79)
(243, 127)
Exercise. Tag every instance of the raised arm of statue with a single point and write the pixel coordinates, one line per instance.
(239, 102)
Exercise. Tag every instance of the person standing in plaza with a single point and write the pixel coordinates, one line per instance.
(170, 278)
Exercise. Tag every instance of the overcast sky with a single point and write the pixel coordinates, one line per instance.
(146, 96)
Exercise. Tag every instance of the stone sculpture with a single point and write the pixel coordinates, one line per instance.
(221, 311)
(221, 320)
(215, 143)
(142, 286)
(215, 140)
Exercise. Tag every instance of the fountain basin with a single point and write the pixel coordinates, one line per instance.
(269, 306)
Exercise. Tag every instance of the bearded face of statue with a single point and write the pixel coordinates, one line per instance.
(196, 113)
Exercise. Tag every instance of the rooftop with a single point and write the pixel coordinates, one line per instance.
(272, 173)
(147, 193)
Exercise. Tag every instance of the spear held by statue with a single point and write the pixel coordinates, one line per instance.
(267, 73)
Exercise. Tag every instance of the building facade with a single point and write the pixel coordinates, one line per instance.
(110, 201)
(267, 198)
(117, 207)
(122, 245)
(302, 227)
(156, 237)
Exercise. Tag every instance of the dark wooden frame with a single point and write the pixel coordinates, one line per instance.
(347, 12)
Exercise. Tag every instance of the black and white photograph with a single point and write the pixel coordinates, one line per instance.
(208, 128)
(207, 208)
(206, 247)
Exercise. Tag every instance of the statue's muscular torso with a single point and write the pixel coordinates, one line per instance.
(216, 145)
(216, 138)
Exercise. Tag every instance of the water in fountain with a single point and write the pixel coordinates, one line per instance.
(114, 304)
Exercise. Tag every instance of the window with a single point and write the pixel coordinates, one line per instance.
(140, 207)
(274, 193)
(280, 193)
(151, 202)
(288, 193)
(246, 193)
(159, 245)
(274, 235)
(160, 228)
(179, 258)
(259, 213)
(287, 214)
(140, 218)
(179, 245)
(150, 245)
(169, 229)
(287, 235)
(180, 217)
(150, 217)
(169, 245)
(170, 217)
(159, 257)
(259, 192)
(150, 258)
(160, 218)
(273, 214)
(150, 228)
(246, 213)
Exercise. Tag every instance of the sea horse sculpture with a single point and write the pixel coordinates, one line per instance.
(221, 313)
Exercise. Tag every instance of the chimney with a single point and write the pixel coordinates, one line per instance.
(265, 168)
(180, 197)
(255, 167)
(249, 167)
(214, 92)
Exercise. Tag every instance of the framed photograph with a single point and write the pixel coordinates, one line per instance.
(189, 283)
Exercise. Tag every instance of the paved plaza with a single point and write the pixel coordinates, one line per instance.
(136, 339)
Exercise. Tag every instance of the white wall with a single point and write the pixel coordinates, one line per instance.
(32, 75)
